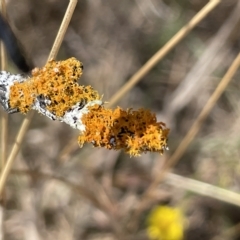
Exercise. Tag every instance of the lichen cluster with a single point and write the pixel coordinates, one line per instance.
(56, 83)
(133, 131)
(54, 91)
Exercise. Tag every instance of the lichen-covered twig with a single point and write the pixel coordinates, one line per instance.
(133, 131)
(54, 92)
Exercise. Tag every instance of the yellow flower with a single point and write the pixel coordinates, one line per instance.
(165, 223)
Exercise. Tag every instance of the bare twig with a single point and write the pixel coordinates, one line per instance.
(163, 51)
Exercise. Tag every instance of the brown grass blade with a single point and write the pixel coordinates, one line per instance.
(190, 135)
(200, 119)
(164, 51)
(202, 188)
(4, 116)
(62, 29)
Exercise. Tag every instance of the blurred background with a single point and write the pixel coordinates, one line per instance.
(59, 191)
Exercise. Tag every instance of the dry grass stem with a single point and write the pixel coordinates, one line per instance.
(4, 123)
(18, 141)
(3, 8)
(213, 56)
(26, 122)
(197, 124)
(169, 163)
(4, 116)
(163, 51)
(202, 188)
(63, 29)
(3, 56)
(4, 134)
(202, 116)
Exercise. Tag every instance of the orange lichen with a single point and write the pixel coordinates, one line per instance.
(133, 131)
(56, 82)
(54, 91)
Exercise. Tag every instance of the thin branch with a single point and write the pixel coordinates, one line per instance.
(164, 51)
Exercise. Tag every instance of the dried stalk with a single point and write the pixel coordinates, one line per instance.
(199, 121)
(188, 138)
(202, 188)
(4, 116)
(163, 51)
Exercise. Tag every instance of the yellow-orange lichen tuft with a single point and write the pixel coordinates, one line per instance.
(54, 91)
(133, 131)
(56, 82)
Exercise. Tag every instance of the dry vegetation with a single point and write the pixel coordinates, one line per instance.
(58, 191)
